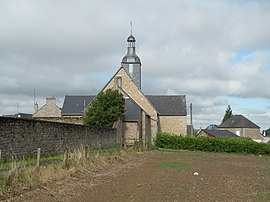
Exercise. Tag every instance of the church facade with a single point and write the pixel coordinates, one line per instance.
(145, 115)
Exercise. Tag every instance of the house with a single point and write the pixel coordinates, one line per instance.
(49, 111)
(216, 133)
(242, 127)
(20, 115)
(145, 114)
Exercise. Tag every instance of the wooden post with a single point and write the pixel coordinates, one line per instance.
(0, 155)
(65, 158)
(13, 165)
(86, 152)
(38, 158)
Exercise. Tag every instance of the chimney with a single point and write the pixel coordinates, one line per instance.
(51, 101)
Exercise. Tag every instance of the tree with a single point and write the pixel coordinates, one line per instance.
(106, 108)
(228, 114)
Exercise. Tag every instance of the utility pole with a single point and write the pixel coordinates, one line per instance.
(191, 124)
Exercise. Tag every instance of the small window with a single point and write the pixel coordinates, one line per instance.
(119, 81)
(130, 69)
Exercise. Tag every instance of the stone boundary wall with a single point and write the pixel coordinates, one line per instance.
(22, 137)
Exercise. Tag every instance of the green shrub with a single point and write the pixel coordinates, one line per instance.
(223, 144)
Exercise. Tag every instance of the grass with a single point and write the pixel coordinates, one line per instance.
(266, 169)
(261, 195)
(24, 175)
(30, 161)
(56, 158)
(173, 165)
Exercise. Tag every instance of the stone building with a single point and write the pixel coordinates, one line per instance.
(216, 133)
(241, 126)
(145, 114)
(49, 110)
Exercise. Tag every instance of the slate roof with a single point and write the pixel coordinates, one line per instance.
(238, 121)
(220, 133)
(132, 111)
(74, 105)
(169, 105)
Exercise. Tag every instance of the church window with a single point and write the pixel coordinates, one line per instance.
(130, 69)
(119, 81)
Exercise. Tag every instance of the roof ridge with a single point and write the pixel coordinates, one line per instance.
(167, 95)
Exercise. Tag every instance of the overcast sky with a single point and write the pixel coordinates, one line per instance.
(216, 52)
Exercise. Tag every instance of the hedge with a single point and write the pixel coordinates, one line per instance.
(223, 144)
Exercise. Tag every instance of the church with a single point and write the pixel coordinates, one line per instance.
(145, 115)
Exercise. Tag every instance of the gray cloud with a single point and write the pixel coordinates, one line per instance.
(186, 47)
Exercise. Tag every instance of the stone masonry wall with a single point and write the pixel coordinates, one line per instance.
(130, 132)
(134, 92)
(22, 137)
(253, 133)
(173, 124)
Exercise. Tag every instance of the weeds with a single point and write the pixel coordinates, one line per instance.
(20, 177)
(261, 195)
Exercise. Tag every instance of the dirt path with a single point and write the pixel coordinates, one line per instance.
(151, 177)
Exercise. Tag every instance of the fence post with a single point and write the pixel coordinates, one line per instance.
(65, 161)
(86, 152)
(38, 158)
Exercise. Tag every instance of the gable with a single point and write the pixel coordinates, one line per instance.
(238, 121)
(129, 88)
(169, 105)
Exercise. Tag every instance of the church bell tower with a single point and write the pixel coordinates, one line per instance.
(131, 62)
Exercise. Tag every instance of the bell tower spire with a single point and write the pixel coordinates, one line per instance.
(131, 62)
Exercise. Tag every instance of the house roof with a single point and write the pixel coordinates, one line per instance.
(19, 115)
(132, 111)
(169, 105)
(238, 121)
(166, 105)
(74, 105)
(220, 133)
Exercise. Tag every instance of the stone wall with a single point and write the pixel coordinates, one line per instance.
(63, 119)
(253, 133)
(131, 133)
(22, 137)
(173, 124)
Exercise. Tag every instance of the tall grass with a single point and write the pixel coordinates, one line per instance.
(20, 178)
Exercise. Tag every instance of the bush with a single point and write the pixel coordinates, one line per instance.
(224, 144)
(106, 108)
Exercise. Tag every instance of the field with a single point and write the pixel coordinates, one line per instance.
(165, 176)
